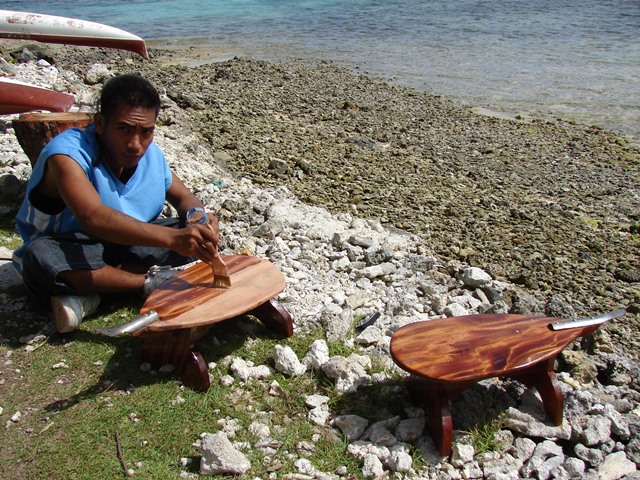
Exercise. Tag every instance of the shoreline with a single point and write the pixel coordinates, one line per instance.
(200, 56)
(201, 52)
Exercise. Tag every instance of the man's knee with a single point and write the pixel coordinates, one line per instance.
(45, 258)
(36, 276)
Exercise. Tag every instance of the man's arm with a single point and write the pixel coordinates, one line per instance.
(111, 225)
(182, 199)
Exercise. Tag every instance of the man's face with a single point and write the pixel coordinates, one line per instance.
(126, 135)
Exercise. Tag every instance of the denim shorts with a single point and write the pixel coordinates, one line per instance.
(46, 257)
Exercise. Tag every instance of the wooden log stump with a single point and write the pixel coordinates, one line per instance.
(35, 130)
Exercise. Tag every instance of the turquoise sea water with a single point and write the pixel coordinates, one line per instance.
(572, 59)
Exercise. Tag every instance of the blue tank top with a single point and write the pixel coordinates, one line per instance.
(142, 197)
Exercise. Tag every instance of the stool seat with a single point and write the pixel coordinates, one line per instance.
(188, 306)
(447, 355)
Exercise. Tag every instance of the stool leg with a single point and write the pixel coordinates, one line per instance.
(435, 397)
(195, 372)
(176, 347)
(542, 377)
(275, 317)
(551, 396)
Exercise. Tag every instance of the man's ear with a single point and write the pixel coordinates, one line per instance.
(99, 121)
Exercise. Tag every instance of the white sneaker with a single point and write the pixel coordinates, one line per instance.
(69, 310)
(157, 275)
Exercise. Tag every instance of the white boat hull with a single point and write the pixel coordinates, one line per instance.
(54, 29)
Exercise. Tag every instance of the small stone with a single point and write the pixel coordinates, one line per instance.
(372, 467)
(287, 362)
(461, 453)
(220, 457)
(352, 426)
(475, 277)
(410, 429)
(615, 466)
(313, 401)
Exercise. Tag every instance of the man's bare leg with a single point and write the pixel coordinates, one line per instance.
(107, 279)
(69, 310)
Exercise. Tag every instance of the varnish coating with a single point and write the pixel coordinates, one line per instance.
(447, 355)
(188, 306)
(473, 347)
(189, 300)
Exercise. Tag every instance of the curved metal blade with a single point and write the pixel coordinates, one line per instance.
(132, 325)
(588, 321)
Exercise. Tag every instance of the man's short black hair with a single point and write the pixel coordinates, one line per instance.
(131, 90)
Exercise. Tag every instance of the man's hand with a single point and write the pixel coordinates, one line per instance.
(199, 241)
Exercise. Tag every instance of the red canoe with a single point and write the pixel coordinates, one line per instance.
(19, 97)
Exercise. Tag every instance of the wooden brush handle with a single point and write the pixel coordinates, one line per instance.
(198, 216)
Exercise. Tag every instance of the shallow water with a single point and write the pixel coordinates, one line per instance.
(573, 59)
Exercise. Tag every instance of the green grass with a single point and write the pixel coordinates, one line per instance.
(483, 436)
(70, 416)
(8, 240)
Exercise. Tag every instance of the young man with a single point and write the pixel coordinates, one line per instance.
(89, 219)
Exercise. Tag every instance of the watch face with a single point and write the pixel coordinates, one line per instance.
(197, 216)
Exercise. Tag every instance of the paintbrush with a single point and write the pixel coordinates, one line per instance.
(219, 270)
(221, 277)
